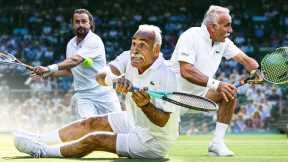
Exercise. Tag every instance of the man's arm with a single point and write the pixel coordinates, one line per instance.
(56, 69)
(70, 62)
(142, 100)
(248, 62)
(156, 116)
(61, 73)
(114, 70)
(193, 75)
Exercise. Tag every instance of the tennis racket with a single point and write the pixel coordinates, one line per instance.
(7, 58)
(274, 69)
(183, 99)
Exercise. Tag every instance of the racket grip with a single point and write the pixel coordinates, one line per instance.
(29, 67)
(134, 88)
(45, 75)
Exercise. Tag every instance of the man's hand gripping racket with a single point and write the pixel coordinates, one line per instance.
(141, 96)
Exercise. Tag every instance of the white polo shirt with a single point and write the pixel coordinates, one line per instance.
(194, 46)
(91, 46)
(157, 77)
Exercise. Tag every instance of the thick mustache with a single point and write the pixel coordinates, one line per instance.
(80, 28)
(227, 34)
(138, 56)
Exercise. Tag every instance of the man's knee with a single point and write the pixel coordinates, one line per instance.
(89, 142)
(96, 123)
(100, 141)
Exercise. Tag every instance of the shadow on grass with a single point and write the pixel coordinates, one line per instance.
(90, 159)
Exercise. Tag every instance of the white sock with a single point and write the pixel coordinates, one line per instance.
(50, 137)
(53, 152)
(219, 133)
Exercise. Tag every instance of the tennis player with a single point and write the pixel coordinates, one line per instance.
(148, 127)
(196, 58)
(90, 98)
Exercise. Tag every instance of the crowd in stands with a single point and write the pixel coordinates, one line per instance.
(36, 111)
(37, 32)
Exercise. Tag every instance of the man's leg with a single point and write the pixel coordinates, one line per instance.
(102, 141)
(74, 130)
(89, 143)
(80, 128)
(224, 116)
(79, 148)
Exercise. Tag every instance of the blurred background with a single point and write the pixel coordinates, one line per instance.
(36, 31)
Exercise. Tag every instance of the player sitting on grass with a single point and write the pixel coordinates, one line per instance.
(148, 127)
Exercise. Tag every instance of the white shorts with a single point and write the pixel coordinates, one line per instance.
(133, 141)
(86, 106)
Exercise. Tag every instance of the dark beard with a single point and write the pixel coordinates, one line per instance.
(81, 32)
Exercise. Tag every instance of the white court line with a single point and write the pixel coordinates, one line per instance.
(233, 142)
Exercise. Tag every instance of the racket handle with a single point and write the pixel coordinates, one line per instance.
(28, 67)
(134, 88)
(45, 75)
(25, 65)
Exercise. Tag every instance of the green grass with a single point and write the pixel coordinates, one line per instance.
(249, 148)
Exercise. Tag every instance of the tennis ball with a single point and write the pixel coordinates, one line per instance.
(88, 62)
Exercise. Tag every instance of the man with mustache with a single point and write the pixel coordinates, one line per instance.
(149, 126)
(196, 58)
(90, 98)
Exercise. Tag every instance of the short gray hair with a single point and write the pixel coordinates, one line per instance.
(213, 13)
(152, 28)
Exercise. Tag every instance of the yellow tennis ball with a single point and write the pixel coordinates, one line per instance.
(88, 62)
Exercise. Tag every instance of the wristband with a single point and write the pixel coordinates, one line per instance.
(53, 68)
(213, 83)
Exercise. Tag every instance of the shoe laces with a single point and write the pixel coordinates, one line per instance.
(38, 153)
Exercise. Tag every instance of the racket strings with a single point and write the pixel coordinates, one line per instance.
(275, 66)
(6, 58)
(192, 101)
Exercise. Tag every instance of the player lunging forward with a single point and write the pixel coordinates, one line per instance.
(90, 98)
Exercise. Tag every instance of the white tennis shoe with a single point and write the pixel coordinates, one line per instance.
(219, 149)
(35, 137)
(31, 147)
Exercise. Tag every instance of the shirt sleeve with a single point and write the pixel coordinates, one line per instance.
(185, 49)
(121, 61)
(92, 48)
(231, 49)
